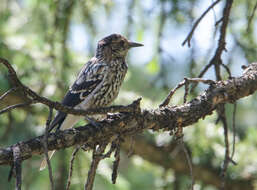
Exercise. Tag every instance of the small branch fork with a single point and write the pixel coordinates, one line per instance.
(216, 61)
(185, 83)
(190, 35)
(98, 155)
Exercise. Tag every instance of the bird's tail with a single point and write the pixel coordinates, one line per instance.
(44, 162)
(68, 122)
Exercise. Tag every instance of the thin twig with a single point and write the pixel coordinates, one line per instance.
(11, 172)
(110, 151)
(8, 92)
(17, 166)
(116, 164)
(71, 166)
(234, 130)
(179, 139)
(193, 80)
(216, 60)
(168, 98)
(190, 35)
(186, 90)
(9, 108)
(96, 158)
(222, 116)
(218, 22)
(190, 165)
(251, 17)
(49, 119)
(227, 69)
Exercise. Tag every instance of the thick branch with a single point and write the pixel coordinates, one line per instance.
(134, 122)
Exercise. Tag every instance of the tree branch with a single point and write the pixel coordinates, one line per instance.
(130, 123)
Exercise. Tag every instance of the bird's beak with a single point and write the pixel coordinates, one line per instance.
(134, 44)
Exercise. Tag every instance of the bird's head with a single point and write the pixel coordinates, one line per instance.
(114, 46)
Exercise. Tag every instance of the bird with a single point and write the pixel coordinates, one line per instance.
(97, 84)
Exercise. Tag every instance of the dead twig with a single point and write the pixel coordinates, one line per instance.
(71, 166)
(184, 82)
(222, 117)
(179, 139)
(96, 158)
(190, 35)
(227, 69)
(8, 92)
(45, 144)
(116, 164)
(20, 105)
(234, 130)
(17, 166)
(251, 17)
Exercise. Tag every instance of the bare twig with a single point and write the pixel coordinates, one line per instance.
(11, 172)
(179, 139)
(20, 105)
(17, 166)
(186, 90)
(110, 151)
(251, 17)
(218, 22)
(190, 165)
(168, 98)
(8, 92)
(49, 119)
(116, 161)
(96, 158)
(222, 116)
(234, 130)
(190, 35)
(71, 166)
(186, 80)
(227, 69)
(216, 60)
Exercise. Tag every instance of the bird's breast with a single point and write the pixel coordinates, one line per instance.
(111, 85)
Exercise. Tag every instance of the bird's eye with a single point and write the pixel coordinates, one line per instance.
(121, 43)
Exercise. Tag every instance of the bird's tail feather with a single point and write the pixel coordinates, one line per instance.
(68, 122)
(44, 162)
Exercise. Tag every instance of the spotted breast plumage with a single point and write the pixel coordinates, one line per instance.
(98, 82)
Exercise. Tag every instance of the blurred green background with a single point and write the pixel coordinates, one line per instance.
(47, 42)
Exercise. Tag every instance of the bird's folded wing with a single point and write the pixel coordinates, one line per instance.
(88, 80)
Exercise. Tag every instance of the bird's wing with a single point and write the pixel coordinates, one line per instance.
(90, 76)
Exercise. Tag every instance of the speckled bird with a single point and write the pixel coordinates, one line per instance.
(98, 83)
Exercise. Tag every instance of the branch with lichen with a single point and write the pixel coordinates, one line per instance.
(131, 120)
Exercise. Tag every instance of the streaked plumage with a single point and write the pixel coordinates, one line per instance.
(98, 82)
